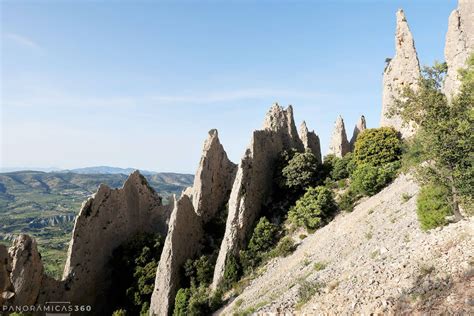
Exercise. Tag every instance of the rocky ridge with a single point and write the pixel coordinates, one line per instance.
(339, 145)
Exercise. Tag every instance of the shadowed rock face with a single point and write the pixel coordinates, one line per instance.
(339, 145)
(310, 141)
(26, 270)
(360, 126)
(182, 243)
(6, 289)
(212, 185)
(459, 44)
(107, 220)
(402, 71)
(253, 182)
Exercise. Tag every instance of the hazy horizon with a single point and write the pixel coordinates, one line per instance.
(140, 84)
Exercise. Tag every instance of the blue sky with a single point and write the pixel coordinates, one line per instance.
(139, 84)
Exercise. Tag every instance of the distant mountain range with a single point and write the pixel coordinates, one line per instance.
(86, 170)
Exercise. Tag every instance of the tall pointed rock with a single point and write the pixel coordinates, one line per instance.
(459, 44)
(360, 126)
(105, 221)
(254, 180)
(402, 71)
(339, 145)
(196, 207)
(310, 141)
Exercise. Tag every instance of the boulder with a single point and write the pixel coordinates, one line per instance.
(310, 141)
(339, 145)
(105, 221)
(254, 180)
(358, 128)
(209, 194)
(26, 270)
(459, 44)
(402, 71)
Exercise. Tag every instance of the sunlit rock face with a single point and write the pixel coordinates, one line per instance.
(459, 44)
(339, 145)
(402, 71)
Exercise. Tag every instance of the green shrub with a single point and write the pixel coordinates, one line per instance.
(347, 200)
(301, 171)
(284, 248)
(318, 266)
(306, 291)
(200, 270)
(313, 209)
(378, 146)
(433, 206)
(232, 272)
(181, 302)
(118, 312)
(342, 167)
(369, 179)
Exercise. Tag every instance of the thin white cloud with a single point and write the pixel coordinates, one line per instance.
(22, 40)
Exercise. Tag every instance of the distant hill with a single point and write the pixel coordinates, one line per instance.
(108, 170)
(44, 204)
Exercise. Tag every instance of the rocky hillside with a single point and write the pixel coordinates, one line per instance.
(375, 259)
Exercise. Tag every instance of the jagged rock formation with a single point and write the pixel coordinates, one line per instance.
(197, 206)
(213, 180)
(26, 270)
(6, 288)
(402, 71)
(108, 219)
(253, 182)
(459, 44)
(339, 145)
(182, 242)
(310, 141)
(359, 127)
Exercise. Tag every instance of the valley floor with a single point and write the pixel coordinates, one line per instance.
(373, 260)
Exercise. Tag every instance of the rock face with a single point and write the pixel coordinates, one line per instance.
(182, 242)
(6, 288)
(459, 44)
(197, 206)
(108, 219)
(253, 182)
(213, 180)
(402, 71)
(310, 141)
(26, 270)
(360, 126)
(339, 145)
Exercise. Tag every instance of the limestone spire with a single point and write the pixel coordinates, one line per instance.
(459, 44)
(339, 145)
(358, 128)
(402, 71)
(310, 141)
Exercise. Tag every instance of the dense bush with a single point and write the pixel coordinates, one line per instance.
(133, 266)
(181, 302)
(433, 206)
(263, 239)
(200, 270)
(342, 168)
(232, 272)
(284, 248)
(313, 209)
(347, 200)
(196, 300)
(378, 146)
(368, 179)
(301, 172)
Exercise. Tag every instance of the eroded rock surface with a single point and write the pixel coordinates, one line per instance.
(402, 71)
(197, 206)
(310, 141)
(26, 270)
(254, 179)
(459, 44)
(182, 242)
(107, 220)
(6, 288)
(360, 126)
(339, 145)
